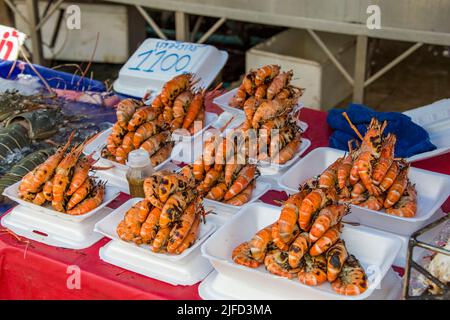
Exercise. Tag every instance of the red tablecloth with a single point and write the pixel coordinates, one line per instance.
(38, 271)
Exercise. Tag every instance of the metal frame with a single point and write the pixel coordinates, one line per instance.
(411, 264)
(271, 17)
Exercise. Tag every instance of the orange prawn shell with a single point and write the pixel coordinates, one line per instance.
(244, 178)
(313, 270)
(330, 237)
(327, 217)
(352, 280)
(241, 255)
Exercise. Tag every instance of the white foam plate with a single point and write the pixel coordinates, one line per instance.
(217, 206)
(192, 269)
(267, 168)
(12, 192)
(52, 230)
(108, 225)
(188, 150)
(210, 119)
(216, 286)
(374, 249)
(433, 190)
(223, 102)
(99, 143)
(435, 119)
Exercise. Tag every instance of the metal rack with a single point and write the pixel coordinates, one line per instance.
(411, 264)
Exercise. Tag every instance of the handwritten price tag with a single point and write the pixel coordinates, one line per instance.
(156, 61)
(169, 57)
(10, 42)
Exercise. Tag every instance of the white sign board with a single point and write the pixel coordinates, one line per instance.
(157, 61)
(10, 42)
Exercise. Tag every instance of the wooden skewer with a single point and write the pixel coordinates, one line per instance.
(352, 125)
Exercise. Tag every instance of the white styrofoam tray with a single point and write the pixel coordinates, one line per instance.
(187, 271)
(217, 206)
(267, 168)
(99, 143)
(210, 119)
(216, 286)
(223, 102)
(192, 270)
(12, 192)
(374, 249)
(96, 146)
(433, 190)
(108, 225)
(52, 230)
(187, 150)
(156, 61)
(435, 119)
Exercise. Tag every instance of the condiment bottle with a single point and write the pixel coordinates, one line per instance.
(140, 168)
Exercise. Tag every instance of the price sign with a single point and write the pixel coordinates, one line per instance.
(10, 42)
(156, 61)
(168, 57)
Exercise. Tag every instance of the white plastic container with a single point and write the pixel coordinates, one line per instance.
(268, 169)
(295, 49)
(190, 271)
(220, 207)
(223, 101)
(99, 143)
(216, 286)
(52, 230)
(210, 119)
(108, 225)
(187, 150)
(185, 269)
(435, 119)
(12, 192)
(432, 188)
(374, 249)
(156, 61)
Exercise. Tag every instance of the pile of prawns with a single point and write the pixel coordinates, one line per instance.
(64, 180)
(304, 243)
(371, 177)
(268, 100)
(150, 127)
(169, 218)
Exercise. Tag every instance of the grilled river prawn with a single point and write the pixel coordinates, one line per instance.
(370, 176)
(268, 100)
(314, 256)
(150, 127)
(169, 218)
(63, 179)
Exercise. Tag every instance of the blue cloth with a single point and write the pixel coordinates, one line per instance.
(412, 139)
(55, 79)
